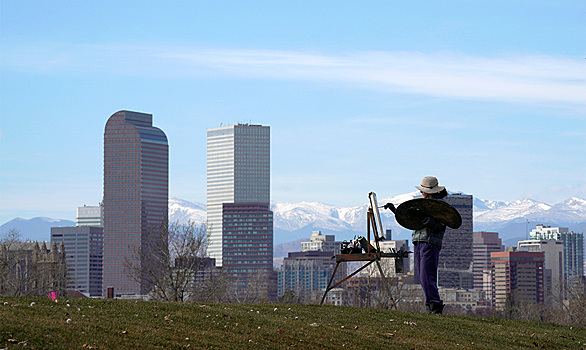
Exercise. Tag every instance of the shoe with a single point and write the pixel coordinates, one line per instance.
(435, 308)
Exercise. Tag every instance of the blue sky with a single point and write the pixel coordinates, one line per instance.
(361, 96)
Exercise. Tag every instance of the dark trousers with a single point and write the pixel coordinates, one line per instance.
(426, 263)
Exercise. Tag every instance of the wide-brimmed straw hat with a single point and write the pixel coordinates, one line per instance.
(430, 185)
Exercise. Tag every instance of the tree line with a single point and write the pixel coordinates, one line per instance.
(174, 265)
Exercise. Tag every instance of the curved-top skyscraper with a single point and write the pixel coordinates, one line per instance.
(136, 195)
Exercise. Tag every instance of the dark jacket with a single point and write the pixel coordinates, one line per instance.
(433, 232)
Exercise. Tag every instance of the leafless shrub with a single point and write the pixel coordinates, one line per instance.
(171, 263)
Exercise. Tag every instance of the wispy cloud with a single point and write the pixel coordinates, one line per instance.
(403, 121)
(555, 194)
(557, 80)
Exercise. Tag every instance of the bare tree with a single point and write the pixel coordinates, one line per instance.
(214, 287)
(520, 308)
(362, 291)
(392, 294)
(12, 279)
(575, 306)
(252, 288)
(169, 262)
(570, 310)
(290, 297)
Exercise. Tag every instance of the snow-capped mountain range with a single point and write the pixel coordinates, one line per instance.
(294, 221)
(570, 210)
(184, 211)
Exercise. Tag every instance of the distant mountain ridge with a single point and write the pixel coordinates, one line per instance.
(294, 221)
(183, 211)
(35, 229)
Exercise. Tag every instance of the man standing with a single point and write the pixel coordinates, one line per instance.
(427, 242)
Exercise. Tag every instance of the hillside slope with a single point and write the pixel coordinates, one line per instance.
(39, 323)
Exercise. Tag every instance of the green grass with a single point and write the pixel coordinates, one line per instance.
(124, 324)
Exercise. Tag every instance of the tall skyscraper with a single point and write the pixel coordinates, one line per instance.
(238, 170)
(455, 261)
(136, 195)
(484, 243)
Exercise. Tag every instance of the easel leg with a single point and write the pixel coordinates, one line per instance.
(385, 282)
(343, 280)
(329, 283)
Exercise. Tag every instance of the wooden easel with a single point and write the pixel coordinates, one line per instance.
(372, 255)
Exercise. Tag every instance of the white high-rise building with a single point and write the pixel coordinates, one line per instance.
(238, 170)
(89, 216)
(322, 243)
(573, 248)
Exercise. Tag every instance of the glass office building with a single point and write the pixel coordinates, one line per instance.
(247, 244)
(573, 248)
(455, 260)
(83, 254)
(136, 192)
(238, 170)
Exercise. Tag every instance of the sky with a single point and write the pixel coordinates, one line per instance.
(490, 97)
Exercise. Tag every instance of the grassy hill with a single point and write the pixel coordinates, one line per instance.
(39, 323)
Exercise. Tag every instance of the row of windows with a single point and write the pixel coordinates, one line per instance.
(114, 153)
(253, 169)
(258, 236)
(244, 270)
(251, 131)
(69, 241)
(246, 218)
(250, 249)
(231, 244)
(231, 225)
(247, 261)
(230, 237)
(247, 156)
(247, 254)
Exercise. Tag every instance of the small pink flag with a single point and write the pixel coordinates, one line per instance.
(53, 295)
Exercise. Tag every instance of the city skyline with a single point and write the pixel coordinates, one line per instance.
(490, 98)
